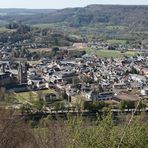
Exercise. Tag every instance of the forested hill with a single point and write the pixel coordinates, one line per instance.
(92, 14)
(21, 11)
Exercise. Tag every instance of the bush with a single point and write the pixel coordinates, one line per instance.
(94, 106)
(127, 104)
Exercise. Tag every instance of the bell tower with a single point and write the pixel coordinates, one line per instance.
(22, 73)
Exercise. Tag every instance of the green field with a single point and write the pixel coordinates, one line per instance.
(28, 97)
(115, 27)
(113, 42)
(109, 53)
(4, 29)
(49, 25)
(42, 26)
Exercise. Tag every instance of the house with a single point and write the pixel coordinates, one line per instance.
(106, 86)
(59, 77)
(96, 96)
(138, 78)
(50, 85)
(144, 92)
(18, 88)
(120, 86)
(104, 96)
(37, 82)
(5, 79)
(144, 71)
(136, 85)
(56, 78)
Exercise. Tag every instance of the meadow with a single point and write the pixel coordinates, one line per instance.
(109, 53)
(28, 97)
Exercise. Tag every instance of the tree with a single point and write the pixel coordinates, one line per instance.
(12, 25)
(55, 50)
(26, 109)
(14, 132)
(134, 70)
(127, 104)
(94, 106)
(111, 48)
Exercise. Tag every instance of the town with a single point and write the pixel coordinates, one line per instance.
(74, 74)
(72, 77)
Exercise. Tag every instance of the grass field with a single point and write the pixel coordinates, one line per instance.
(28, 97)
(4, 29)
(112, 42)
(33, 62)
(49, 25)
(42, 26)
(39, 50)
(109, 53)
(115, 27)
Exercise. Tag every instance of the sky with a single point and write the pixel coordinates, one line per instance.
(57, 4)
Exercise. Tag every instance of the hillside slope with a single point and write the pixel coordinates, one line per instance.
(112, 14)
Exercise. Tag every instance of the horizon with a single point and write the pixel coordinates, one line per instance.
(42, 4)
(71, 7)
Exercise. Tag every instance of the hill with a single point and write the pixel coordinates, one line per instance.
(112, 14)
(120, 22)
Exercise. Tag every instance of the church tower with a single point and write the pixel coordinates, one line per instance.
(22, 73)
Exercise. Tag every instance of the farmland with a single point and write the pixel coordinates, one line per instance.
(109, 53)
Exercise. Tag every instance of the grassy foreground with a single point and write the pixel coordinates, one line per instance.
(75, 132)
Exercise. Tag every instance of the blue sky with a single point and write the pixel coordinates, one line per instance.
(64, 3)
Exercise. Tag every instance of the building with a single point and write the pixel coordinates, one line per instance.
(5, 79)
(22, 73)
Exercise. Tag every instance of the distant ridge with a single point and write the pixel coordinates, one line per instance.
(111, 14)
